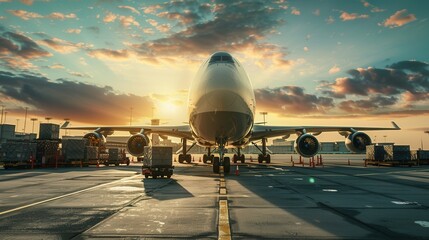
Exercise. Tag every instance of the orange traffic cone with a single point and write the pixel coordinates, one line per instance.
(237, 171)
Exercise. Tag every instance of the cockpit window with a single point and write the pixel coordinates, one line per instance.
(218, 59)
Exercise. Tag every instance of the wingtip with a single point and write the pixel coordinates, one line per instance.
(395, 125)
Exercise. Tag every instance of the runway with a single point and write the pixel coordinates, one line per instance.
(275, 201)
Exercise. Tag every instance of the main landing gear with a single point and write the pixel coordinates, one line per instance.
(208, 157)
(263, 156)
(238, 157)
(185, 157)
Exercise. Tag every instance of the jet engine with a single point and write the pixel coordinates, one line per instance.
(357, 141)
(95, 139)
(307, 145)
(136, 144)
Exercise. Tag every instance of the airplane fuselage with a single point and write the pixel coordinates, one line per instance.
(221, 103)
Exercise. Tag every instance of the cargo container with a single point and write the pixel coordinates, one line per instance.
(157, 161)
(18, 154)
(374, 152)
(399, 153)
(74, 150)
(420, 156)
(47, 151)
(49, 131)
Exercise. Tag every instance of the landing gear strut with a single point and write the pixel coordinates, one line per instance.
(238, 156)
(185, 157)
(263, 156)
(221, 160)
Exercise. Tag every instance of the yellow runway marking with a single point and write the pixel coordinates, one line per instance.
(223, 227)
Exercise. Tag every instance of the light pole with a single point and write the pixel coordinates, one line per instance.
(17, 124)
(48, 119)
(264, 114)
(2, 112)
(384, 138)
(33, 120)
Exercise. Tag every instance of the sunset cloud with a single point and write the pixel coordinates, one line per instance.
(62, 46)
(334, 69)
(133, 10)
(110, 54)
(289, 100)
(75, 100)
(24, 15)
(399, 19)
(352, 16)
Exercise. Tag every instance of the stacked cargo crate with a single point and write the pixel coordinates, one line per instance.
(420, 156)
(375, 153)
(397, 153)
(18, 153)
(73, 150)
(47, 151)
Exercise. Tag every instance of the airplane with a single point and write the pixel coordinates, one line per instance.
(221, 107)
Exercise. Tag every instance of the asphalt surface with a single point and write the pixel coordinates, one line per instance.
(276, 201)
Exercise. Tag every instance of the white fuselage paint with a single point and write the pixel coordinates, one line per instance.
(221, 103)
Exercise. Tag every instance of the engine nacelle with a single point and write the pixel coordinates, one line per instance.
(95, 139)
(136, 144)
(357, 141)
(307, 145)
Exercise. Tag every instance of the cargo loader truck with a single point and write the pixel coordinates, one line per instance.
(157, 162)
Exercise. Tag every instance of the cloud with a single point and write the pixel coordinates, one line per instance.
(330, 20)
(63, 46)
(334, 69)
(57, 66)
(127, 21)
(351, 16)
(288, 100)
(406, 79)
(133, 10)
(110, 17)
(368, 105)
(163, 27)
(185, 12)
(24, 14)
(27, 2)
(32, 15)
(61, 16)
(75, 100)
(295, 11)
(237, 28)
(398, 19)
(306, 49)
(17, 50)
(110, 54)
(152, 22)
(73, 30)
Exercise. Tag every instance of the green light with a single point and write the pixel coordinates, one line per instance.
(312, 180)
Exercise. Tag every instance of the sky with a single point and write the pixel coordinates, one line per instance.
(357, 62)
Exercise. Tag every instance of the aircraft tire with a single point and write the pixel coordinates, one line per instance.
(226, 165)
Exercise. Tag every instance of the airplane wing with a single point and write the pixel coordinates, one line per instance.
(181, 131)
(262, 131)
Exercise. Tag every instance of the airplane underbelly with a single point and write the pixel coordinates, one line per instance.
(221, 116)
(213, 127)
